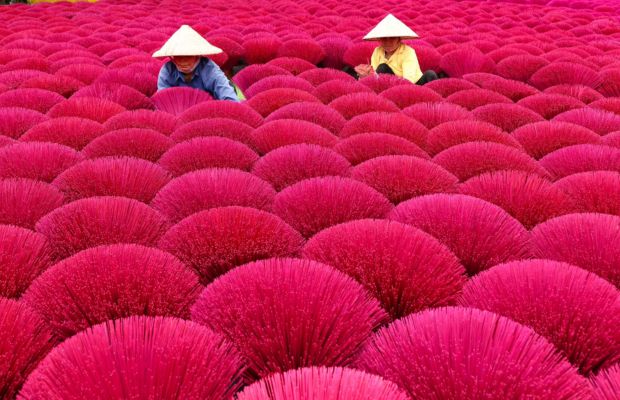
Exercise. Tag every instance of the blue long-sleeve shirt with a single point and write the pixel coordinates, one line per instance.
(207, 76)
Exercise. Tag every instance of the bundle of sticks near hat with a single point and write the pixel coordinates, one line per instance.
(390, 27)
(186, 42)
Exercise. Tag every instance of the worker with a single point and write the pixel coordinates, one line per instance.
(189, 65)
(393, 56)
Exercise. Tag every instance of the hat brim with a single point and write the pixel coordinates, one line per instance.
(388, 37)
(162, 54)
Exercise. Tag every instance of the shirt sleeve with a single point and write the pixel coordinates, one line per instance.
(163, 81)
(220, 86)
(374, 59)
(411, 67)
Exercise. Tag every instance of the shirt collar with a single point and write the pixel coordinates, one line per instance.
(399, 50)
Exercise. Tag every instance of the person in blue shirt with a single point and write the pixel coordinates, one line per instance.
(190, 67)
(198, 73)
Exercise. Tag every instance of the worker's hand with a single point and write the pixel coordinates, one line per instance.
(364, 70)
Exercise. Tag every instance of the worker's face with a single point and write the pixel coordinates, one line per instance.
(390, 44)
(186, 64)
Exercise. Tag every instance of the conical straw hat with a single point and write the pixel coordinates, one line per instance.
(389, 27)
(186, 42)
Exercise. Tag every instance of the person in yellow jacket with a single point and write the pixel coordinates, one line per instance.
(393, 56)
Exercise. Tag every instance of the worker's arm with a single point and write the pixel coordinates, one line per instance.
(163, 81)
(364, 70)
(375, 58)
(220, 86)
(411, 67)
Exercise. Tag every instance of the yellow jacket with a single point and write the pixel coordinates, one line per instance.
(403, 62)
